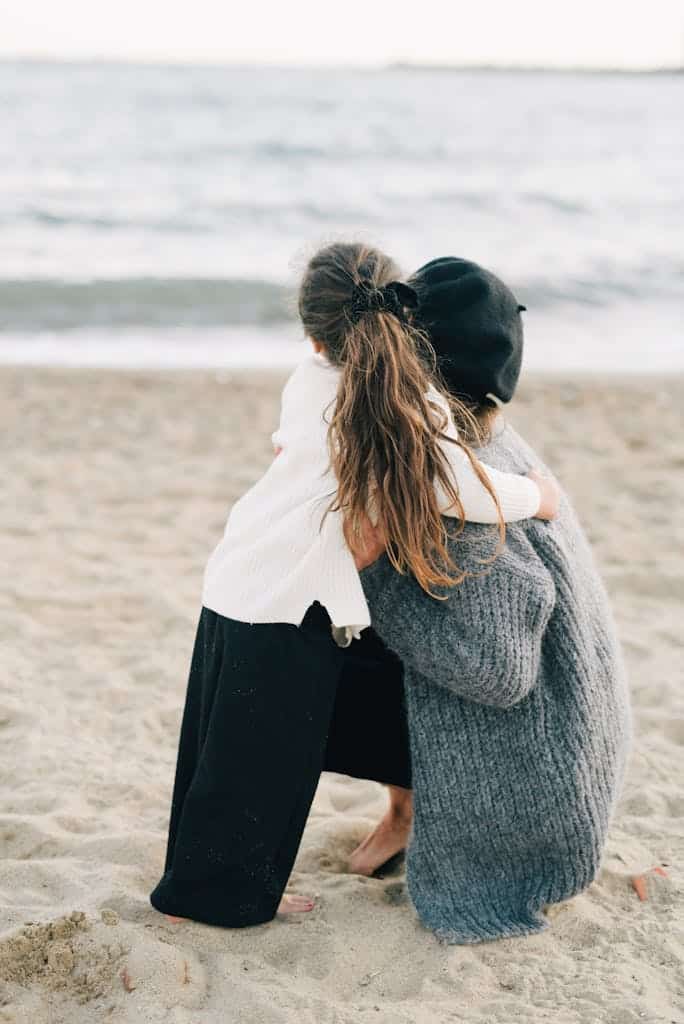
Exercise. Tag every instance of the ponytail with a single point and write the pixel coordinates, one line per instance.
(385, 434)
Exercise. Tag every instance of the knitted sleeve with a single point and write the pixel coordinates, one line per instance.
(519, 496)
(483, 642)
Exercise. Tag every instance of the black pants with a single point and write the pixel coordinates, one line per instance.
(268, 707)
(368, 731)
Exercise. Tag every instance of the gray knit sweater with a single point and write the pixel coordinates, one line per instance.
(519, 718)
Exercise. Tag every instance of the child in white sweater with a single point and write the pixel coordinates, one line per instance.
(364, 432)
(280, 552)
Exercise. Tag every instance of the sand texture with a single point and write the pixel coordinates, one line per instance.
(115, 487)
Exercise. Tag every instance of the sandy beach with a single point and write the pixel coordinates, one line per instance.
(116, 485)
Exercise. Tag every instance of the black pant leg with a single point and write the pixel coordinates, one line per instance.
(368, 736)
(205, 662)
(258, 707)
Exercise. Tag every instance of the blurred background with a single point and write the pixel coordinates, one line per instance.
(165, 170)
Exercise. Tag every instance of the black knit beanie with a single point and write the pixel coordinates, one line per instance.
(474, 323)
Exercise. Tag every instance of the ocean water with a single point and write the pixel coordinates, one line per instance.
(162, 215)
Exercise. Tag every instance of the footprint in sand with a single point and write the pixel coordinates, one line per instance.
(23, 839)
(644, 804)
(164, 974)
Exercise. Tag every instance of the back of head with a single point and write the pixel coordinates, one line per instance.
(384, 432)
(473, 321)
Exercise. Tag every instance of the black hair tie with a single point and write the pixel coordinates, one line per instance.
(399, 297)
(394, 297)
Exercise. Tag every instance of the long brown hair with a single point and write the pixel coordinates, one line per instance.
(384, 434)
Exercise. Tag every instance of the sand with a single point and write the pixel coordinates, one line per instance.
(115, 487)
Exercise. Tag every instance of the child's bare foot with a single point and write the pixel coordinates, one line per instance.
(293, 904)
(387, 839)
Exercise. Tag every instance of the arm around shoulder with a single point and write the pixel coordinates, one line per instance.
(519, 496)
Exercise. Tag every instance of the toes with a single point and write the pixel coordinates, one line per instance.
(293, 904)
(301, 901)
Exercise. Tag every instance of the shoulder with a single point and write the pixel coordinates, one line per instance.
(511, 596)
(489, 563)
(508, 451)
(436, 398)
(314, 380)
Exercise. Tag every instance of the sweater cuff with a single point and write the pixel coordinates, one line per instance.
(519, 497)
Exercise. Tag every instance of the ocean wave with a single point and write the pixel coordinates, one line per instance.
(606, 287)
(210, 218)
(47, 304)
(145, 301)
(558, 204)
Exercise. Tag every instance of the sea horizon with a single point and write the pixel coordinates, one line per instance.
(95, 59)
(182, 201)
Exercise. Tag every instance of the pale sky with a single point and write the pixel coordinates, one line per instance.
(588, 33)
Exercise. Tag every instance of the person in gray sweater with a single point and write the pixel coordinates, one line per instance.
(518, 706)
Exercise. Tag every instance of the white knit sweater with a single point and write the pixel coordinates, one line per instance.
(275, 557)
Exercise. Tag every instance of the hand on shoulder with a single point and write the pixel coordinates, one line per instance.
(550, 495)
(370, 547)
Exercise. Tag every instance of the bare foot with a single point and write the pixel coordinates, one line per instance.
(289, 904)
(387, 839)
(293, 904)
